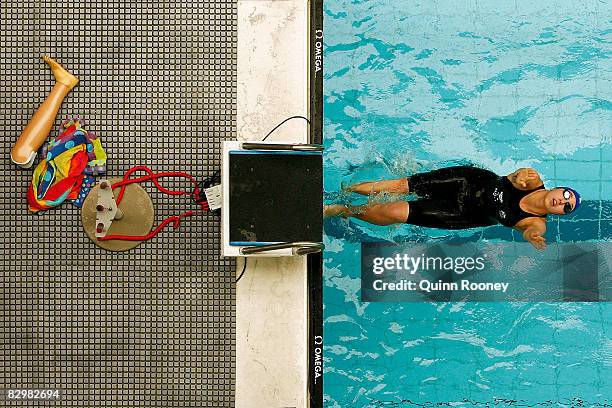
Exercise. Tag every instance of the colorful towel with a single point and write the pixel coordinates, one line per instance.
(68, 169)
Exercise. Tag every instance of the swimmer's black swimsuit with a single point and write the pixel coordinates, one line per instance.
(465, 197)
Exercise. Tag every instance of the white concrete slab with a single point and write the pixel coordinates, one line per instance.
(271, 325)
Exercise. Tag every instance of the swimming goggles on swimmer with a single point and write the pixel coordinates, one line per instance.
(567, 193)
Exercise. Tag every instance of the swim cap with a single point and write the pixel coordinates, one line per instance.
(578, 199)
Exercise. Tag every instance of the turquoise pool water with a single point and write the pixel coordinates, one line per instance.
(411, 86)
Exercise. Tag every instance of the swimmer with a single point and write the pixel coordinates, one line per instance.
(465, 197)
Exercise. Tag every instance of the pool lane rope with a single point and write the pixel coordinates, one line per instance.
(175, 220)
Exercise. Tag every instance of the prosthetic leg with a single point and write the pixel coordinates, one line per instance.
(39, 127)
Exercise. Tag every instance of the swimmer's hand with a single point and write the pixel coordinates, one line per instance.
(523, 177)
(535, 239)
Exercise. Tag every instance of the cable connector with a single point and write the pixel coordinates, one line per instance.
(214, 197)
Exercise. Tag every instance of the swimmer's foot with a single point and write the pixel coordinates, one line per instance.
(61, 75)
(335, 210)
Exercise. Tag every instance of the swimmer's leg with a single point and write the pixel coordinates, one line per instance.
(380, 214)
(394, 186)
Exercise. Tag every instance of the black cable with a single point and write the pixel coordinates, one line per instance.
(286, 120)
(209, 181)
(243, 269)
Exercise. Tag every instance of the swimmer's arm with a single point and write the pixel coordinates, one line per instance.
(533, 230)
(525, 179)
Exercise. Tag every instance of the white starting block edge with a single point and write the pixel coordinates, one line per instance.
(233, 250)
